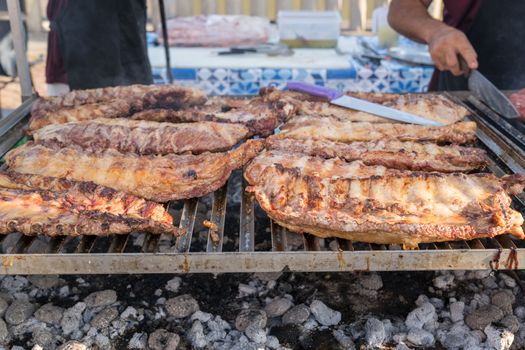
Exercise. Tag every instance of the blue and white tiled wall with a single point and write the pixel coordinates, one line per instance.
(385, 77)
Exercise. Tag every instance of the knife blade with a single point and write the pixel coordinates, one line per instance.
(338, 98)
(491, 95)
(487, 92)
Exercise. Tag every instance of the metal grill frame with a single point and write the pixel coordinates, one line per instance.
(100, 255)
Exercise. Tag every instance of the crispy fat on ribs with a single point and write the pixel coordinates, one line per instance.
(111, 102)
(430, 106)
(314, 166)
(35, 205)
(399, 209)
(157, 178)
(144, 137)
(389, 153)
(307, 127)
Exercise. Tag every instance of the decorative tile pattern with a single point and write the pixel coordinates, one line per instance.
(388, 76)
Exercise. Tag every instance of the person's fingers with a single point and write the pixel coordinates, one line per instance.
(469, 55)
(453, 63)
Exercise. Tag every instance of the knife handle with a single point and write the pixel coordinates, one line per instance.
(463, 66)
(315, 90)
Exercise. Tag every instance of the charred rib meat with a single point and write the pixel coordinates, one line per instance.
(399, 209)
(157, 178)
(390, 153)
(144, 137)
(307, 127)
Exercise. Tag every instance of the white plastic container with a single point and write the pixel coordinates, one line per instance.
(309, 28)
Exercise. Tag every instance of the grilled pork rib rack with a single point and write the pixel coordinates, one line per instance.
(434, 107)
(161, 104)
(144, 137)
(404, 209)
(35, 205)
(389, 153)
(157, 178)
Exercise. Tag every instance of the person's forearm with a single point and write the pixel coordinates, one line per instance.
(411, 18)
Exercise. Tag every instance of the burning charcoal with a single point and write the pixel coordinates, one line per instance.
(103, 318)
(324, 315)
(507, 280)
(345, 341)
(296, 315)
(372, 281)
(44, 338)
(444, 282)
(4, 334)
(248, 316)
(72, 318)
(511, 322)
(161, 339)
(423, 314)
(201, 316)
(277, 307)
(500, 339)
(255, 333)
(272, 342)
(181, 306)
(484, 316)
(457, 310)
(173, 284)
(18, 312)
(196, 335)
(420, 337)
(72, 345)
(50, 314)
(375, 332)
(504, 300)
(101, 298)
(138, 341)
(3, 306)
(520, 312)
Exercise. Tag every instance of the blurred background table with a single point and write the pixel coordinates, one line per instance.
(245, 74)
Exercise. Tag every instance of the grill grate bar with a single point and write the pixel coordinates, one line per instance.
(311, 242)
(247, 220)
(278, 237)
(345, 244)
(150, 243)
(55, 244)
(86, 244)
(22, 244)
(118, 244)
(187, 222)
(217, 220)
(443, 245)
(506, 242)
(504, 127)
(475, 244)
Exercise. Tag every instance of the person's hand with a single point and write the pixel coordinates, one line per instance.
(446, 44)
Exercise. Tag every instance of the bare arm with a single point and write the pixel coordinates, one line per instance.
(411, 18)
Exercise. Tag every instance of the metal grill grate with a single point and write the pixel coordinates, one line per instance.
(277, 249)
